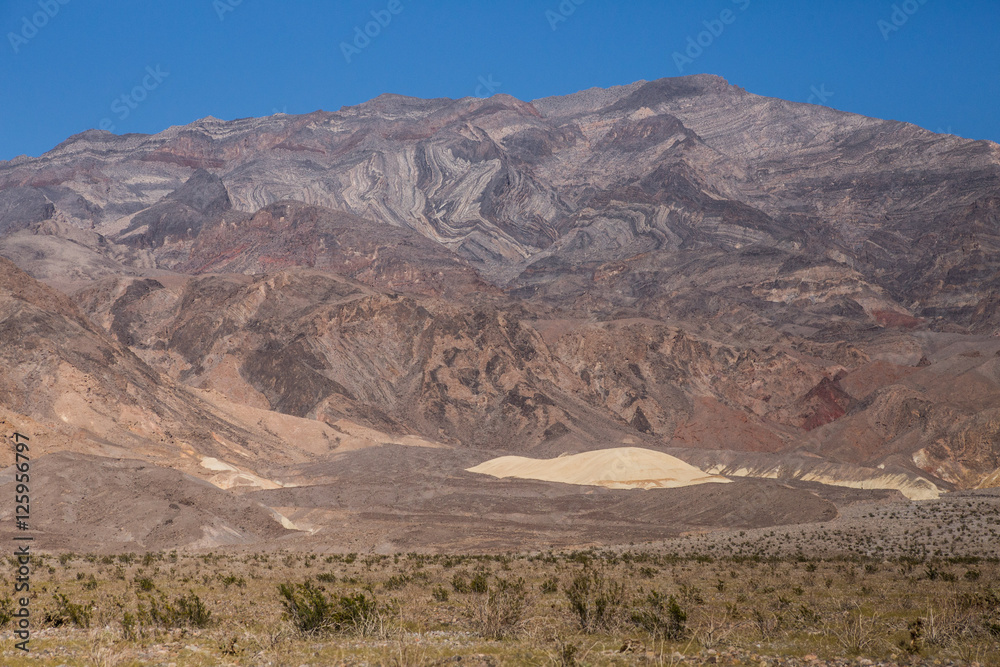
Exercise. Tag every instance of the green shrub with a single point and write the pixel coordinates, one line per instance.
(233, 580)
(191, 611)
(550, 585)
(185, 611)
(480, 582)
(596, 601)
(129, 629)
(498, 613)
(314, 612)
(6, 611)
(459, 583)
(661, 616)
(396, 582)
(67, 612)
(306, 606)
(144, 584)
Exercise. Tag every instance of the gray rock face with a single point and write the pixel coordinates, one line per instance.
(603, 175)
(181, 214)
(21, 207)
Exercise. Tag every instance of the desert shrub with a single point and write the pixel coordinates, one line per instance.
(130, 629)
(449, 562)
(914, 641)
(396, 582)
(808, 617)
(184, 611)
(498, 613)
(6, 611)
(691, 594)
(67, 612)
(857, 633)
(480, 582)
(550, 585)
(596, 601)
(440, 593)
(661, 616)
(459, 583)
(191, 611)
(307, 606)
(327, 578)
(766, 623)
(567, 654)
(313, 611)
(144, 584)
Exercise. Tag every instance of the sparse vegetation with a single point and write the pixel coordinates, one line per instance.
(661, 616)
(498, 614)
(624, 606)
(596, 600)
(66, 612)
(313, 611)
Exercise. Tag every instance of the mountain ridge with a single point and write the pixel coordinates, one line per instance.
(753, 286)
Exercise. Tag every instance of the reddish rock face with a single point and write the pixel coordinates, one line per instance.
(824, 403)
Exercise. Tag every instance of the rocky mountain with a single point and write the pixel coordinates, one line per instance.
(761, 288)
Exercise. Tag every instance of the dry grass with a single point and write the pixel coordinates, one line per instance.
(516, 609)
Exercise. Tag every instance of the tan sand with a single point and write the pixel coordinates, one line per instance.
(617, 468)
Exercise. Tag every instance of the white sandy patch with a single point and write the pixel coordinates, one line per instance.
(215, 464)
(617, 468)
(231, 478)
(854, 477)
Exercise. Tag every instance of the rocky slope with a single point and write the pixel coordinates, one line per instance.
(757, 287)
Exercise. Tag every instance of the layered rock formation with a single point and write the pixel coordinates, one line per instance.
(755, 286)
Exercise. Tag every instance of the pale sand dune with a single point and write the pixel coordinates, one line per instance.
(617, 468)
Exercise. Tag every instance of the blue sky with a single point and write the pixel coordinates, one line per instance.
(141, 66)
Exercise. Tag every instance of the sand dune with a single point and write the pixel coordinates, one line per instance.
(617, 468)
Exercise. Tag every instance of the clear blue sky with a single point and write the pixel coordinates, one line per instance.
(236, 58)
